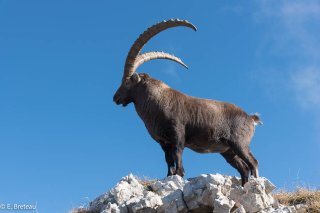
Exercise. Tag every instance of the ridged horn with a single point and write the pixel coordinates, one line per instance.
(145, 37)
(142, 58)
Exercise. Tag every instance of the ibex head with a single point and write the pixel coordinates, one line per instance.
(130, 79)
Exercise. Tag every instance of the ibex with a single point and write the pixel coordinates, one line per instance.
(176, 120)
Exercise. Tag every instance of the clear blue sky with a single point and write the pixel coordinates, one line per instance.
(63, 140)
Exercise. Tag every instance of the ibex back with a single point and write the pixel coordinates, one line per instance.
(176, 120)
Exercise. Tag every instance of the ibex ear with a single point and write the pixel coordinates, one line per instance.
(135, 78)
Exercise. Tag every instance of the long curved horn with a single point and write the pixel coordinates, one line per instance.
(142, 58)
(145, 37)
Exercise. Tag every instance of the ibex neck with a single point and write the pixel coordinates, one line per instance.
(150, 100)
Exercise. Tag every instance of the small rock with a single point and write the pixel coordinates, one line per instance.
(168, 185)
(222, 204)
(151, 202)
(111, 208)
(128, 187)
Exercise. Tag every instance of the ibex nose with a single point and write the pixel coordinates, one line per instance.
(116, 98)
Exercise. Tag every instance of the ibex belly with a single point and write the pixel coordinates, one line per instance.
(206, 146)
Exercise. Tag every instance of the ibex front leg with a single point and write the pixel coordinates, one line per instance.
(177, 153)
(173, 147)
(168, 150)
(178, 141)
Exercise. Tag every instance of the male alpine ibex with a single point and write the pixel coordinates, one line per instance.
(176, 120)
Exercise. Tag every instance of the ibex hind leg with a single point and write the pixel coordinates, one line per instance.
(256, 171)
(236, 162)
(246, 155)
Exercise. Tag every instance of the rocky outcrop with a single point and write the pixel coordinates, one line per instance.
(203, 194)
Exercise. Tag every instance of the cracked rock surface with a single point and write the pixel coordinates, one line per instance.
(203, 194)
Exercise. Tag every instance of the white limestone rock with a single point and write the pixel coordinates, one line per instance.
(206, 193)
(111, 208)
(129, 187)
(168, 185)
(149, 203)
(174, 202)
(255, 195)
(222, 204)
